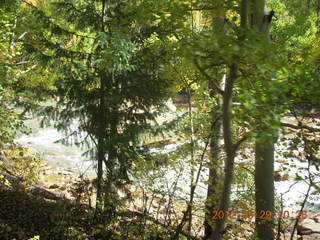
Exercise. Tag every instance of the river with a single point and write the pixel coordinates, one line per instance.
(70, 159)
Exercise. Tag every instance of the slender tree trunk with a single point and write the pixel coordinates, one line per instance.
(12, 42)
(110, 191)
(229, 149)
(192, 145)
(318, 35)
(101, 152)
(264, 150)
(215, 175)
(11, 47)
(215, 166)
(101, 144)
(318, 17)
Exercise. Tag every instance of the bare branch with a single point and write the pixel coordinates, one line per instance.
(202, 9)
(26, 71)
(310, 129)
(203, 72)
(22, 35)
(304, 200)
(22, 62)
(193, 188)
(240, 141)
(158, 222)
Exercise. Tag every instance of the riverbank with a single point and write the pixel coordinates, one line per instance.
(65, 164)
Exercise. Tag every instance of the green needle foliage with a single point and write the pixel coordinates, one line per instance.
(106, 61)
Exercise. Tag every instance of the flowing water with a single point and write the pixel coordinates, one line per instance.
(69, 158)
(57, 155)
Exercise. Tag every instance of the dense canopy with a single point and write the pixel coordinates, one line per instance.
(167, 119)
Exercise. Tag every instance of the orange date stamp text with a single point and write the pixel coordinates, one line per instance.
(261, 215)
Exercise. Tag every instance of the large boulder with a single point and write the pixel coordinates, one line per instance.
(310, 226)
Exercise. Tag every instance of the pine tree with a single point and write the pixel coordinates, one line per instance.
(106, 59)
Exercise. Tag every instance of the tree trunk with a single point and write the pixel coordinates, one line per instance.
(229, 149)
(101, 152)
(102, 124)
(264, 150)
(215, 175)
(215, 165)
(318, 34)
(318, 17)
(192, 163)
(110, 191)
(264, 185)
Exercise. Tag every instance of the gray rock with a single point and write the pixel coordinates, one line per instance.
(54, 186)
(64, 173)
(316, 218)
(277, 176)
(308, 226)
(280, 176)
(311, 237)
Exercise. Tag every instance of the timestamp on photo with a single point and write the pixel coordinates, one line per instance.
(262, 215)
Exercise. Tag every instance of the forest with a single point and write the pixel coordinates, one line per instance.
(159, 119)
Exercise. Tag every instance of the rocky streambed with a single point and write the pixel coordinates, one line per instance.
(64, 165)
